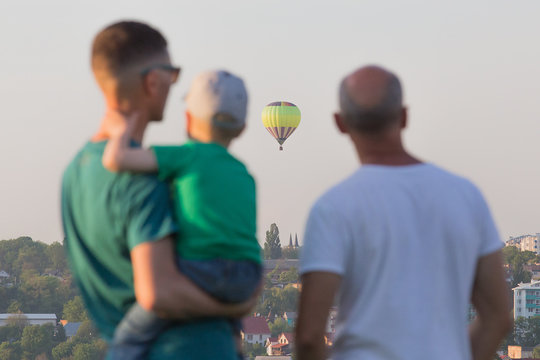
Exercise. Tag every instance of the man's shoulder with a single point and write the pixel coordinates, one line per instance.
(85, 171)
(367, 181)
(453, 181)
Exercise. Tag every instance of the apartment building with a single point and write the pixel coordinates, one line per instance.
(527, 300)
(526, 242)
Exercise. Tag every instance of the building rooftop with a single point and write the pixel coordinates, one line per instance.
(71, 328)
(255, 325)
(535, 285)
(29, 316)
(289, 336)
(284, 264)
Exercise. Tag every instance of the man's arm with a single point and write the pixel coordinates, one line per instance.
(161, 288)
(490, 298)
(316, 298)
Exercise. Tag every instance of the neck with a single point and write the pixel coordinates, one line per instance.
(205, 138)
(383, 149)
(108, 123)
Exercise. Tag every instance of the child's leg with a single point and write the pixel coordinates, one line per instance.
(229, 281)
(135, 333)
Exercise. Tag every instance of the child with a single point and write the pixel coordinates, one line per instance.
(214, 202)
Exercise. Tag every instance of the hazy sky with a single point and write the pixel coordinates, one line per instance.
(470, 71)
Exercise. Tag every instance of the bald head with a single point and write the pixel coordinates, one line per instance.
(370, 99)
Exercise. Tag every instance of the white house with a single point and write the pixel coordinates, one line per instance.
(527, 300)
(33, 319)
(284, 345)
(255, 330)
(4, 275)
(271, 341)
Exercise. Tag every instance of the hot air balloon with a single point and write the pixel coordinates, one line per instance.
(281, 118)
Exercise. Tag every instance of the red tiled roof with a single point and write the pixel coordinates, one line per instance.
(255, 325)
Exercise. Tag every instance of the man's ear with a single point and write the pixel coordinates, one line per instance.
(404, 118)
(151, 83)
(340, 123)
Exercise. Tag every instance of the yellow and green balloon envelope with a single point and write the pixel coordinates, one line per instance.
(281, 118)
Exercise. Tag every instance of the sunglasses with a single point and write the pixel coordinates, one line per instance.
(174, 70)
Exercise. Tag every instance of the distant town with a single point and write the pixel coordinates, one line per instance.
(42, 316)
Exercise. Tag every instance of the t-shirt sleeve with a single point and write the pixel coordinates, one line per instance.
(490, 240)
(172, 160)
(326, 243)
(150, 216)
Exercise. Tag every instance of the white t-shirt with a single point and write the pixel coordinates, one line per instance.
(406, 241)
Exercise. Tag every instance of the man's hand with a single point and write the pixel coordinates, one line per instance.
(161, 288)
(316, 298)
(121, 124)
(490, 298)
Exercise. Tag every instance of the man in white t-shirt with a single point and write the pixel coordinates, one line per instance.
(404, 245)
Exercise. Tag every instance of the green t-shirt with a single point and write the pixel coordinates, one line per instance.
(105, 215)
(214, 201)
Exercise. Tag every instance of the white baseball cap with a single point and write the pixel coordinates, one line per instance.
(215, 93)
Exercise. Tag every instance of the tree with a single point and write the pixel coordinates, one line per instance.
(63, 350)
(87, 333)
(37, 340)
(59, 335)
(57, 257)
(253, 350)
(290, 276)
(277, 301)
(279, 326)
(101, 348)
(84, 352)
(9, 252)
(74, 310)
(18, 320)
(272, 246)
(41, 293)
(14, 308)
(10, 333)
(290, 253)
(516, 259)
(10, 351)
(527, 331)
(536, 352)
(32, 257)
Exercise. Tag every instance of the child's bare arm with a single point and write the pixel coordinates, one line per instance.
(119, 156)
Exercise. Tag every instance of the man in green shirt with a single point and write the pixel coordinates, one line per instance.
(119, 227)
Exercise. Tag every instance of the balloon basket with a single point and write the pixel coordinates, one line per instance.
(281, 148)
